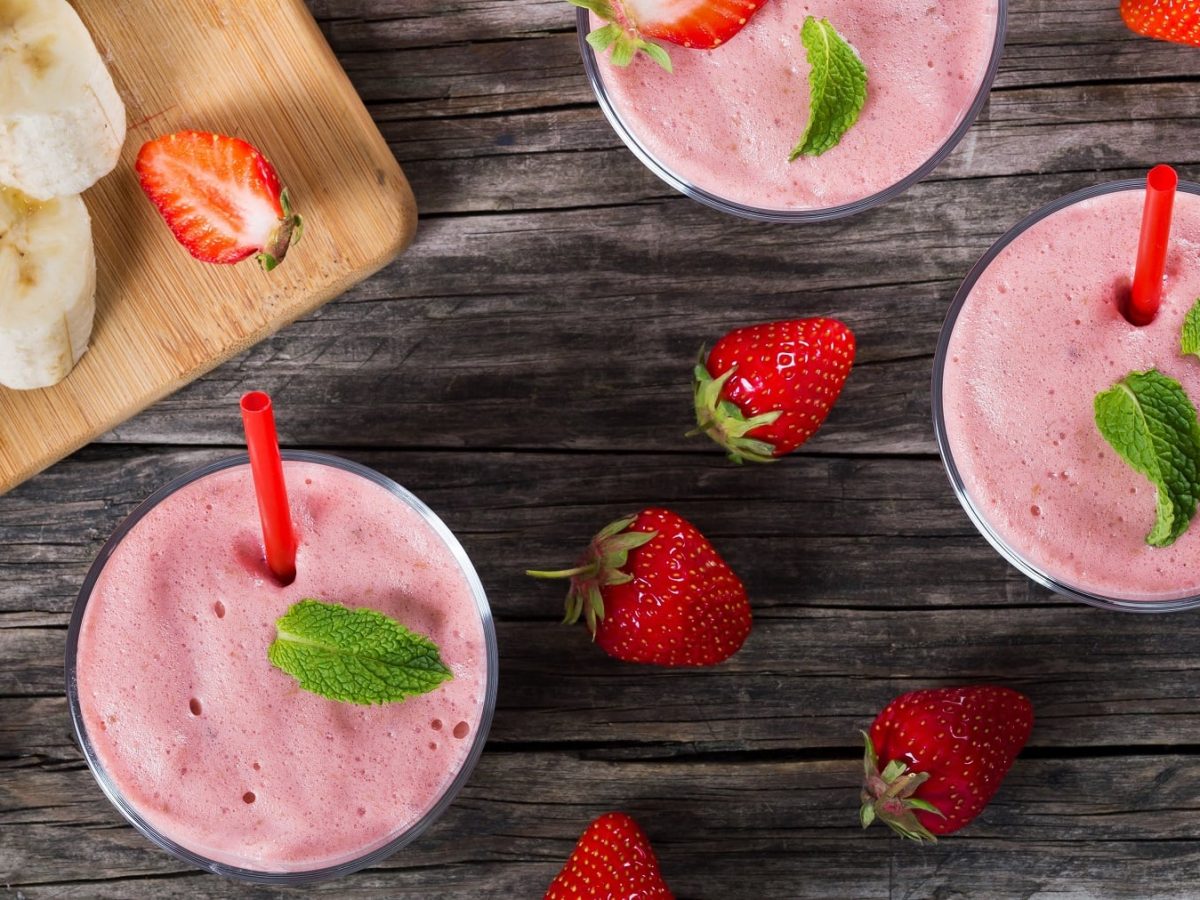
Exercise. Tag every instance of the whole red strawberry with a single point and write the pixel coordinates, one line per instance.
(695, 24)
(765, 389)
(653, 590)
(612, 861)
(220, 197)
(944, 753)
(1166, 20)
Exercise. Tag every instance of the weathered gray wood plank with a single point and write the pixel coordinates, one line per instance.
(1048, 41)
(812, 679)
(1084, 128)
(766, 828)
(485, 373)
(817, 532)
(528, 349)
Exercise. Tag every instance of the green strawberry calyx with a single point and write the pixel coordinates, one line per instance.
(603, 564)
(286, 234)
(621, 36)
(721, 420)
(888, 797)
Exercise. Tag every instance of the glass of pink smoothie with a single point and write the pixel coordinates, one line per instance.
(720, 127)
(217, 756)
(1034, 333)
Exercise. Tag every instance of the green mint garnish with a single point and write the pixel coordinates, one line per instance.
(1150, 422)
(354, 655)
(837, 88)
(1189, 339)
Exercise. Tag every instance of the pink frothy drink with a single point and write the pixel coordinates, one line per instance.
(1035, 333)
(721, 126)
(219, 756)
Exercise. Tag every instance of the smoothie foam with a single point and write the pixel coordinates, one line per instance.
(226, 755)
(726, 119)
(1039, 335)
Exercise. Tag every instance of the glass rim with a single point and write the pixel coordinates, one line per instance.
(759, 214)
(401, 839)
(1025, 566)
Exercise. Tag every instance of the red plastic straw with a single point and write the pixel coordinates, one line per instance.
(279, 538)
(1152, 246)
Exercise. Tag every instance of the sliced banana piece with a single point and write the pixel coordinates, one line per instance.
(47, 288)
(62, 122)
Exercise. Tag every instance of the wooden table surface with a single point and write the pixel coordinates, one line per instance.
(524, 369)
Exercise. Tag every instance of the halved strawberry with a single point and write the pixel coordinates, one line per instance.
(1166, 20)
(220, 197)
(694, 24)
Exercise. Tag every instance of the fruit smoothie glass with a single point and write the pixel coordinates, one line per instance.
(217, 756)
(719, 129)
(1033, 335)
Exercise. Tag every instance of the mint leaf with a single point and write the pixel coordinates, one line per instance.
(1149, 420)
(837, 88)
(1189, 339)
(354, 655)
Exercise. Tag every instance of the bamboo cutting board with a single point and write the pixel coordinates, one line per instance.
(256, 69)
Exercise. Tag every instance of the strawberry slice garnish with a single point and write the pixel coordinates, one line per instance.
(1166, 20)
(935, 758)
(220, 197)
(765, 389)
(694, 24)
(613, 860)
(654, 590)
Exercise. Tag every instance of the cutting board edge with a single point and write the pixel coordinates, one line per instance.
(405, 206)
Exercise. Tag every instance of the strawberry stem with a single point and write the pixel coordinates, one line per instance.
(286, 233)
(604, 564)
(562, 573)
(888, 796)
(620, 35)
(722, 421)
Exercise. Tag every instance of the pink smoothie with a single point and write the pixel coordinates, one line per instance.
(727, 119)
(226, 755)
(1038, 337)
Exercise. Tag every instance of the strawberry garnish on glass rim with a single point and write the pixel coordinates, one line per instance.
(221, 198)
(694, 24)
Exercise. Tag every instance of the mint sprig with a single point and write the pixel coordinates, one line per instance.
(837, 88)
(1150, 422)
(1189, 338)
(354, 655)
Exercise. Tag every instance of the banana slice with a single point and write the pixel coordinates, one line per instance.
(47, 288)
(62, 122)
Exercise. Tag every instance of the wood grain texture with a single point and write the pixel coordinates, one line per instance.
(523, 369)
(262, 71)
(793, 818)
